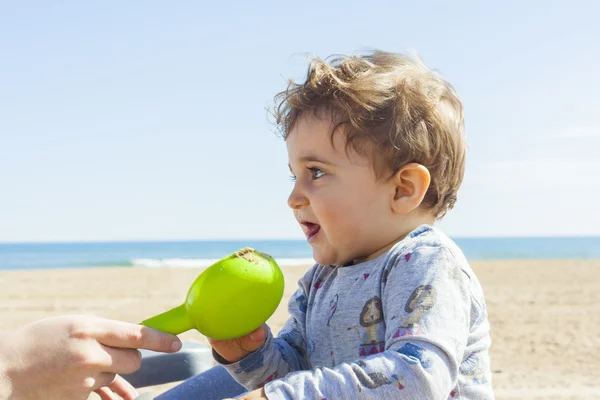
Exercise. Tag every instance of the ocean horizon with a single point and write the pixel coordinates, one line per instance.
(202, 253)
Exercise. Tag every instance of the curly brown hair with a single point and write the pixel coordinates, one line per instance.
(393, 109)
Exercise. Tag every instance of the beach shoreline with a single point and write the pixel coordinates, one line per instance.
(545, 314)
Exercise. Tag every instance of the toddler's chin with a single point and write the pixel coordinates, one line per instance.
(325, 259)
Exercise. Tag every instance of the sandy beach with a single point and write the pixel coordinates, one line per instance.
(545, 315)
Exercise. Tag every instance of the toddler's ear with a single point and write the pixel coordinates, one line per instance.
(410, 184)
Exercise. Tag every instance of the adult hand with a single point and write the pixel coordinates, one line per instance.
(68, 357)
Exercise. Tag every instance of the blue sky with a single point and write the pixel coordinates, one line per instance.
(146, 119)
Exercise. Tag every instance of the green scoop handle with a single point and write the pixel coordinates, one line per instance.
(229, 299)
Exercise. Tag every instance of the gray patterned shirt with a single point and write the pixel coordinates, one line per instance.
(410, 324)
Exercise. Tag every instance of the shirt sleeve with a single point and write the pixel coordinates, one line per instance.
(426, 305)
(278, 356)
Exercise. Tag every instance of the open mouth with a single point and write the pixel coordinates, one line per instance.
(310, 229)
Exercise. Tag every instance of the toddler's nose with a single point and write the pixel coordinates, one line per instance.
(296, 199)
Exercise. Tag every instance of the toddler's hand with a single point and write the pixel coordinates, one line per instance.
(234, 350)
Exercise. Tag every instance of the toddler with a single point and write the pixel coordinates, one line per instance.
(392, 308)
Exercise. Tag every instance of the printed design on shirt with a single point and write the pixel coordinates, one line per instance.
(318, 284)
(387, 271)
(455, 273)
(294, 338)
(250, 364)
(370, 318)
(362, 278)
(281, 351)
(332, 355)
(478, 313)
(472, 371)
(270, 378)
(302, 302)
(398, 381)
(311, 347)
(300, 298)
(332, 308)
(374, 380)
(415, 355)
(422, 299)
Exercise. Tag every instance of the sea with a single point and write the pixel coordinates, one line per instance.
(194, 254)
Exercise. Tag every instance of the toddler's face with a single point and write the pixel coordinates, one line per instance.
(341, 207)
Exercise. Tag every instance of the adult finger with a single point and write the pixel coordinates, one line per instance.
(122, 361)
(103, 379)
(123, 388)
(105, 393)
(123, 334)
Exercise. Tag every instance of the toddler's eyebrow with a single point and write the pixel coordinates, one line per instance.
(313, 158)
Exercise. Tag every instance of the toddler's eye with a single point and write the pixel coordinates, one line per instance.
(292, 178)
(316, 173)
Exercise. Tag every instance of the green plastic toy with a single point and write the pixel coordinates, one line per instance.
(229, 299)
